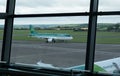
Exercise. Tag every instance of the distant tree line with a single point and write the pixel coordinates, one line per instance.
(114, 28)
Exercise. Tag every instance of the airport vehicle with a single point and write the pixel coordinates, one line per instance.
(105, 66)
(50, 37)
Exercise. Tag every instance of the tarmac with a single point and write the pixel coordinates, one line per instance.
(58, 54)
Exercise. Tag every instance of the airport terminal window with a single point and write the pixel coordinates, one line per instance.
(108, 40)
(109, 5)
(1, 34)
(58, 12)
(53, 20)
(62, 53)
(51, 6)
(3, 6)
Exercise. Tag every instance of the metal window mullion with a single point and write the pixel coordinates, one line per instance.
(8, 28)
(3, 15)
(107, 13)
(52, 14)
(91, 39)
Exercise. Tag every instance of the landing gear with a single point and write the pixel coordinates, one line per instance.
(46, 41)
(53, 40)
(50, 40)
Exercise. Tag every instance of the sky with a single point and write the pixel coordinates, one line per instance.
(61, 6)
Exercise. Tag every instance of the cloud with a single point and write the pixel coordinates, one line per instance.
(3, 2)
(109, 19)
(3, 5)
(60, 6)
(2, 8)
(47, 3)
(51, 6)
(1, 22)
(109, 5)
(61, 9)
(35, 3)
(72, 3)
(52, 20)
(66, 20)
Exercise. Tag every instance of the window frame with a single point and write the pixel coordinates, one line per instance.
(91, 38)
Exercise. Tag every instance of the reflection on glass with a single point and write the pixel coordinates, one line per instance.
(59, 42)
(108, 44)
(109, 5)
(3, 5)
(51, 6)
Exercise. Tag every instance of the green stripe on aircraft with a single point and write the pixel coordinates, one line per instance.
(98, 68)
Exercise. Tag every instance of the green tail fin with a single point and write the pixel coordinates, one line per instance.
(32, 30)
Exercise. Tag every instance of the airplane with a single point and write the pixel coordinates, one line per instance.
(106, 66)
(50, 37)
(109, 66)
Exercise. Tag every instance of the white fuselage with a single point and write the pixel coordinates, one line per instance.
(51, 37)
(106, 66)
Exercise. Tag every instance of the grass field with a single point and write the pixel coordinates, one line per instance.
(79, 36)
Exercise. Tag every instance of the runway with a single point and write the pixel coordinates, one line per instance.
(59, 54)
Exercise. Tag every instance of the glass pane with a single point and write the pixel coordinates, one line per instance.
(109, 5)
(51, 6)
(108, 44)
(60, 42)
(1, 34)
(3, 5)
